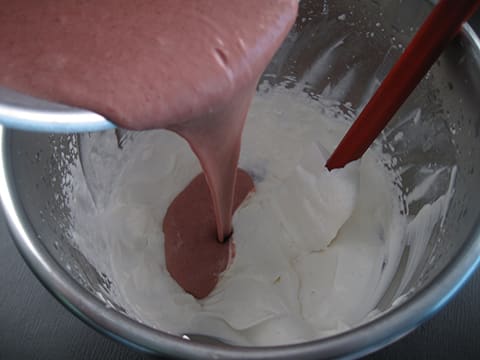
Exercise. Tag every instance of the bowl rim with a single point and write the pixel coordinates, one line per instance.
(24, 112)
(359, 341)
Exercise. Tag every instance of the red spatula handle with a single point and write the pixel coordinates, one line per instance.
(428, 43)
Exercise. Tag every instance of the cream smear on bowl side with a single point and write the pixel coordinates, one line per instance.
(286, 283)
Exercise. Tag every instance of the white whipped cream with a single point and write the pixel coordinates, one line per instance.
(286, 284)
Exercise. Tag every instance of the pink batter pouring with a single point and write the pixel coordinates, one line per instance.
(190, 66)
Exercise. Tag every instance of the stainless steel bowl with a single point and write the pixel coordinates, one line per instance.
(345, 43)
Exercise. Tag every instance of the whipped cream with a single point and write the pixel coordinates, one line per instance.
(315, 250)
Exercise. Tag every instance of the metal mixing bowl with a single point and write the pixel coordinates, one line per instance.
(339, 50)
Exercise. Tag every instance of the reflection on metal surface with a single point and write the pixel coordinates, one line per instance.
(23, 112)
